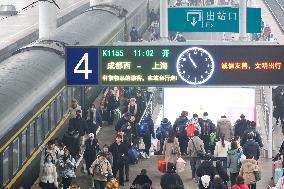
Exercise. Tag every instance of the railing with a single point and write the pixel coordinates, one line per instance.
(153, 101)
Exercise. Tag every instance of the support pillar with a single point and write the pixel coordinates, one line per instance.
(47, 19)
(164, 20)
(243, 20)
(270, 126)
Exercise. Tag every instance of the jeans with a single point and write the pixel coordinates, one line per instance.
(183, 142)
(195, 162)
(99, 184)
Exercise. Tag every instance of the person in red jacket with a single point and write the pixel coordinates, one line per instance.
(240, 183)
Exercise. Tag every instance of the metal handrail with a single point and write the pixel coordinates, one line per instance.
(265, 110)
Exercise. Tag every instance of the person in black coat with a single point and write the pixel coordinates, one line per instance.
(251, 148)
(149, 132)
(252, 131)
(171, 180)
(94, 119)
(92, 148)
(222, 172)
(240, 126)
(119, 151)
(122, 121)
(206, 168)
(79, 124)
(141, 102)
(142, 179)
(71, 140)
(111, 105)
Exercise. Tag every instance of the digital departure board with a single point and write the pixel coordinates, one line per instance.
(186, 65)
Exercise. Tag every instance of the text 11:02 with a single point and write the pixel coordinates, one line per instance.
(147, 53)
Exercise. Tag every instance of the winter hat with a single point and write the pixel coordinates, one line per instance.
(253, 124)
(165, 120)
(205, 114)
(242, 116)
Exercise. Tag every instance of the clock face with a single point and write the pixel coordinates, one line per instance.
(195, 66)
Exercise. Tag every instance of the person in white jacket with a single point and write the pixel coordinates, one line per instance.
(279, 185)
(48, 174)
(221, 149)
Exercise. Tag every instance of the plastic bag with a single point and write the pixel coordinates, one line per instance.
(180, 166)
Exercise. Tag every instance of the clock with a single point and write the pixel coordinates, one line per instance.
(195, 66)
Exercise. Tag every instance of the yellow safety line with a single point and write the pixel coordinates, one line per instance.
(35, 154)
(30, 120)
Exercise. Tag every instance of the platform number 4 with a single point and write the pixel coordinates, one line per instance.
(86, 71)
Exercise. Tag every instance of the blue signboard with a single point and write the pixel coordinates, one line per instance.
(82, 66)
(223, 19)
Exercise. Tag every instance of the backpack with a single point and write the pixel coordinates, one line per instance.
(206, 129)
(180, 128)
(278, 174)
(190, 129)
(133, 154)
(144, 128)
(213, 138)
(159, 133)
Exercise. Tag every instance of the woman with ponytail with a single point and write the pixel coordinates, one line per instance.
(221, 149)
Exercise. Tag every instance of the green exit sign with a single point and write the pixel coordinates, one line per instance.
(223, 19)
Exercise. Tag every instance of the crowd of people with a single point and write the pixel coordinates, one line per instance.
(60, 158)
(236, 150)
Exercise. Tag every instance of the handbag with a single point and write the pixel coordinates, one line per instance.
(199, 153)
(257, 175)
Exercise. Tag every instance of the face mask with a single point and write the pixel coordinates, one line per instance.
(49, 161)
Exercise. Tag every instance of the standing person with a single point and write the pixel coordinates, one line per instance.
(171, 179)
(50, 149)
(233, 161)
(221, 149)
(195, 151)
(251, 148)
(252, 131)
(240, 183)
(119, 151)
(68, 165)
(122, 121)
(277, 111)
(218, 183)
(94, 119)
(80, 125)
(92, 148)
(163, 132)
(134, 35)
(240, 126)
(48, 174)
(171, 150)
(108, 154)
(207, 127)
(111, 105)
(74, 107)
(195, 121)
(224, 127)
(249, 165)
(101, 171)
(179, 129)
(206, 168)
(146, 130)
(71, 141)
(132, 107)
(222, 172)
(141, 102)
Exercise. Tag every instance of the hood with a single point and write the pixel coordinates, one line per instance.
(223, 121)
(168, 123)
(233, 152)
(207, 165)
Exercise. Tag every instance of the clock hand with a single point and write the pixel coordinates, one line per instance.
(193, 63)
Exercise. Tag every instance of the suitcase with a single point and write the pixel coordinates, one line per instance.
(162, 166)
